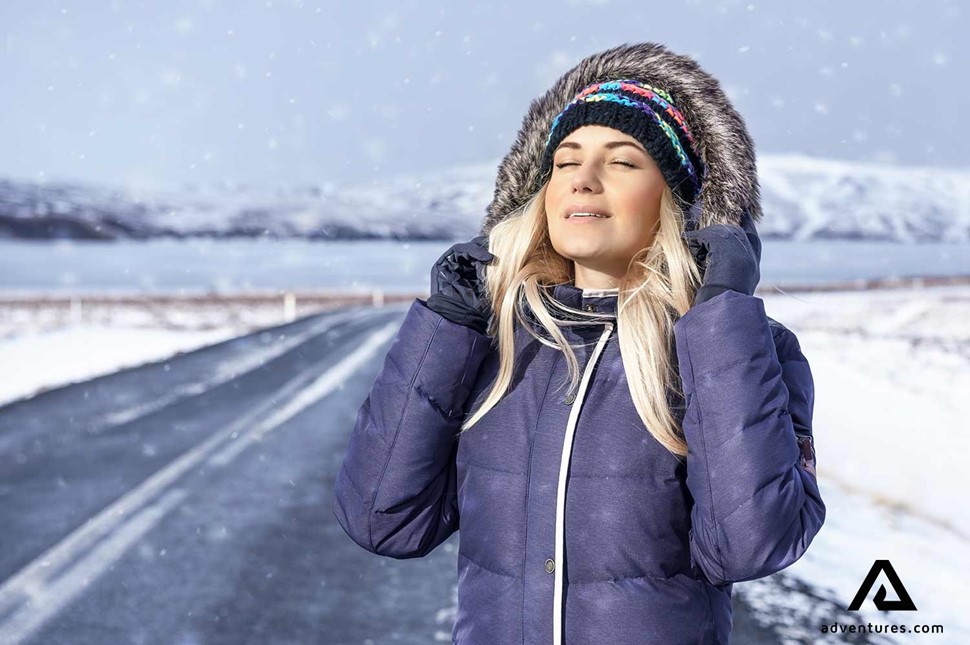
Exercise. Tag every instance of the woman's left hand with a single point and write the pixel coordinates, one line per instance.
(729, 256)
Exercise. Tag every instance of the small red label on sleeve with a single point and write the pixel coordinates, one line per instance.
(806, 446)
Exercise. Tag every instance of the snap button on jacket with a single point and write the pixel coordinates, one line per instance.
(647, 546)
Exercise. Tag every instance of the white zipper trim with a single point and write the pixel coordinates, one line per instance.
(567, 449)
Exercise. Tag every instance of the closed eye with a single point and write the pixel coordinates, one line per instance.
(572, 163)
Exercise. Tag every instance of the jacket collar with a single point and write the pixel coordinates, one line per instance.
(600, 301)
(599, 305)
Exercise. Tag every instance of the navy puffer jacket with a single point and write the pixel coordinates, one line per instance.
(632, 545)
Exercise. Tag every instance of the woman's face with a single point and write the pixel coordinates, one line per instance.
(599, 169)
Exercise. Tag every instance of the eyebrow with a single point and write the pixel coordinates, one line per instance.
(609, 146)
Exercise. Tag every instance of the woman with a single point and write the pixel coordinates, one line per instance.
(592, 394)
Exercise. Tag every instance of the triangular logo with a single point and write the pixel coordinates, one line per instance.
(905, 603)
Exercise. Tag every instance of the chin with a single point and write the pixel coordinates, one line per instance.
(580, 250)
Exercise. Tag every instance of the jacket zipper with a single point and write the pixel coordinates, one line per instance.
(557, 608)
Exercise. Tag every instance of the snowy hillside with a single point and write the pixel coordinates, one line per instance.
(804, 199)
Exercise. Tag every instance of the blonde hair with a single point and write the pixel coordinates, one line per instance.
(658, 288)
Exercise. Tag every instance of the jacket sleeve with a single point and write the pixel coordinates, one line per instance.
(396, 491)
(749, 398)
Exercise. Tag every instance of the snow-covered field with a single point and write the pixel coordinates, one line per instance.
(81, 338)
(42, 360)
(891, 368)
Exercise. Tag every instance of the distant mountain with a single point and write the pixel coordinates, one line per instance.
(804, 199)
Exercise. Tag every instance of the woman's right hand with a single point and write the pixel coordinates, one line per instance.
(458, 284)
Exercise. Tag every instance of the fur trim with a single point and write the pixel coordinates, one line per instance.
(722, 138)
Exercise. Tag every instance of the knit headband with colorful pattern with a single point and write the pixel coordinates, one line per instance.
(645, 113)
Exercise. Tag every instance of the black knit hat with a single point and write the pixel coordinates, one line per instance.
(647, 114)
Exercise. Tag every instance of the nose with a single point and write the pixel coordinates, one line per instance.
(585, 179)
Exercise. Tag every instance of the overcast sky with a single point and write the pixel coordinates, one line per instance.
(168, 92)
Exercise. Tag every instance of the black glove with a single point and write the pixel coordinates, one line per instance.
(458, 284)
(729, 256)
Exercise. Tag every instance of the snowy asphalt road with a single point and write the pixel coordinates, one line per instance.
(188, 501)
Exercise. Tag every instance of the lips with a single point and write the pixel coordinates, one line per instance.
(579, 208)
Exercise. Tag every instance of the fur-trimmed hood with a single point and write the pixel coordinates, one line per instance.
(722, 138)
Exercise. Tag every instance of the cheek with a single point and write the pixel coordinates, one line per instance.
(554, 203)
(643, 198)
(629, 232)
(643, 211)
(647, 204)
(554, 194)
